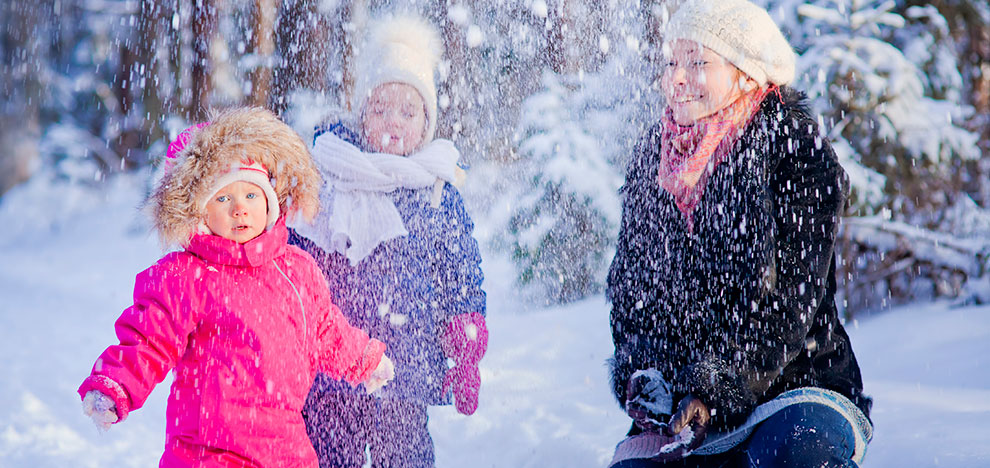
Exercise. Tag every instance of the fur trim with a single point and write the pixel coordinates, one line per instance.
(718, 384)
(399, 49)
(233, 135)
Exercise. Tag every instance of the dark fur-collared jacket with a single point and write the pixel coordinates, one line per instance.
(741, 308)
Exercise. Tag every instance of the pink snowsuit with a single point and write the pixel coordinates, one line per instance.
(246, 327)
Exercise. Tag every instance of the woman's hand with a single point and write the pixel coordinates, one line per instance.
(648, 399)
(693, 413)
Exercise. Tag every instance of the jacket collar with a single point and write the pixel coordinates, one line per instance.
(255, 252)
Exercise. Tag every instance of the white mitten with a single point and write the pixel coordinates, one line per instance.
(100, 408)
(381, 375)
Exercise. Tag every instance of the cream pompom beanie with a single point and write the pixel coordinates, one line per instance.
(399, 49)
(739, 31)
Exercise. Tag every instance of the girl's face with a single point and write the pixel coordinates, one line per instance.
(394, 119)
(698, 82)
(238, 212)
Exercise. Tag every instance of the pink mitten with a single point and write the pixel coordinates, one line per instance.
(464, 341)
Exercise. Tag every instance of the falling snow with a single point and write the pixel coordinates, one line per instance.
(545, 400)
(545, 100)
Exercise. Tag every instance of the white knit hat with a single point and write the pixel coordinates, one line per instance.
(739, 31)
(399, 49)
(255, 173)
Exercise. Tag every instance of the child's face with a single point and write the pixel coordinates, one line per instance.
(238, 212)
(394, 119)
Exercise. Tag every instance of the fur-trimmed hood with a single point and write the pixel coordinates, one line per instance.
(256, 134)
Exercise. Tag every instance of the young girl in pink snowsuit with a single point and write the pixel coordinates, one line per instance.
(243, 318)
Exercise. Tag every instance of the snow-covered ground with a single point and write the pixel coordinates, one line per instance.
(67, 265)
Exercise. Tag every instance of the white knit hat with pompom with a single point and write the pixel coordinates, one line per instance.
(739, 31)
(399, 49)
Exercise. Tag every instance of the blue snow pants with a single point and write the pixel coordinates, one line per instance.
(805, 435)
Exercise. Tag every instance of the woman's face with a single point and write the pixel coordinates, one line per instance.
(698, 82)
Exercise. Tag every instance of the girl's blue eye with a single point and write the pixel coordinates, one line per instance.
(222, 198)
(252, 195)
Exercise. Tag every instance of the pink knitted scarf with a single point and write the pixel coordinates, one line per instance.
(689, 154)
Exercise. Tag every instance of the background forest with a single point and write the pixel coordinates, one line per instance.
(546, 99)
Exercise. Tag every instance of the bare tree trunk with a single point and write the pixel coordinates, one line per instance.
(979, 43)
(344, 39)
(263, 47)
(124, 82)
(204, 20)
(556, 54)
(129, 142)
(577, 40)
(149, 34)
(136, 91)
(21, 63)
(178, 96)
(357, 18)
(452, 117)
(304, 44)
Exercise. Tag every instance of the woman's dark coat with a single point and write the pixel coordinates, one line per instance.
(742, 308)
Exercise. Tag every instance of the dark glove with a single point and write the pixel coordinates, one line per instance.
(648, 399)
(692, 414)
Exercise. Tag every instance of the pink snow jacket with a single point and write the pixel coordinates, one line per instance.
(246, 327)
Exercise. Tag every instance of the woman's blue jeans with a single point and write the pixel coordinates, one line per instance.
(804, 435)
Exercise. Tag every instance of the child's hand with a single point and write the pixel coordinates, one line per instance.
(693, 414)
(100, 408)
(381, 375)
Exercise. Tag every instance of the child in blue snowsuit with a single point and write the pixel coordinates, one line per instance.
(395, 243)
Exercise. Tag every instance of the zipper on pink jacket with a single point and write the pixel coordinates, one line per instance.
(298, 296)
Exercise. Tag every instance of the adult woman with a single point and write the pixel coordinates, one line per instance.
(723, 282)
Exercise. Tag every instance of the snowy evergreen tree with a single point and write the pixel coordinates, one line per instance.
(960, 29)
(889, 99)
(552, 126)
(562, 224)
(888, 79)
(573, 139)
